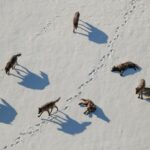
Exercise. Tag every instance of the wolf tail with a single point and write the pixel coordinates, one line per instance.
(19, 54)
(57, 99)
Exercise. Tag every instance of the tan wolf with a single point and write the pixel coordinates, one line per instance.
(12, 63)
(140, 88)
(76, 21)
(50, 105)
(91, 107)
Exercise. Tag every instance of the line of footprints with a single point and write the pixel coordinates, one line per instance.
(45, 28)
(37, 127)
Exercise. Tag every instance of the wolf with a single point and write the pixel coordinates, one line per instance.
(76, 21)
(50, 105)
(12, 63)
(140, 88)
(91, 107)
(124, 66)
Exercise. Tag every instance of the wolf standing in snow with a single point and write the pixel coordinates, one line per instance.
(12, 63)
(124, 66)
(76, 21)
(50, 105)
(140, 88)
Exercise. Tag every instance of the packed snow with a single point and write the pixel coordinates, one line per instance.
(56, 62)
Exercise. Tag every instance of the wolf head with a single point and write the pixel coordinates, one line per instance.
(77, 14)
(7, 68)
(114, 68)
(39, 111)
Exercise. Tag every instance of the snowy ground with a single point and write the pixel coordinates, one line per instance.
(57, 63)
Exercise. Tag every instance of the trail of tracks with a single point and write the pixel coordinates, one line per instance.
(34, 129)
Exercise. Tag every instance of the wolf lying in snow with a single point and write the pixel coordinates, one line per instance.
(124, 66)
(50, 105)
(140, 88)
(12, 63)
(91, 107)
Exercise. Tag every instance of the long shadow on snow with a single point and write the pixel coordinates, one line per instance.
(129, 71)
(99, 113)
(69, 125)
(32, 80)
(7, 112)
(93, 33)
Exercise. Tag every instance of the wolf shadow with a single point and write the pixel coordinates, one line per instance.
(99, 113)
(69, 125)
(7, 112)
(30, 79)
(131, 71)
(93, 33)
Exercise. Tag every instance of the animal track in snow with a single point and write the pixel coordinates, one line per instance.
(69, 99)
(36, 128)
(44, 29)
(37, 124)
(116, 36)
(66, 107)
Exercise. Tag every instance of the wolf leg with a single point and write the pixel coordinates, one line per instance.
(141, 94)
(56, 107)
(86, 112)
(48, 112)
(8, 73)
(121, 73)
(13, 67)
(40, 114)
(73, 30)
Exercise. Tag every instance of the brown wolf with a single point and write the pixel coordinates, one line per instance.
(47, 106)
(140, 88)
(91, 107)
(124, 66)
(11, 63)
(76, 21)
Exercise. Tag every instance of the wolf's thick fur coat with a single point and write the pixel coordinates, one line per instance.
(50, 105)
(76, 21)
(91, 107)
(11, 63)
(124, 66)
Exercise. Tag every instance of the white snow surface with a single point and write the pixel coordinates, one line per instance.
(56, 62)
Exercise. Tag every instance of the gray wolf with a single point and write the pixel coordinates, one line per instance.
(50, 105)
(12, 63)
(76, 21)
(124, 66)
